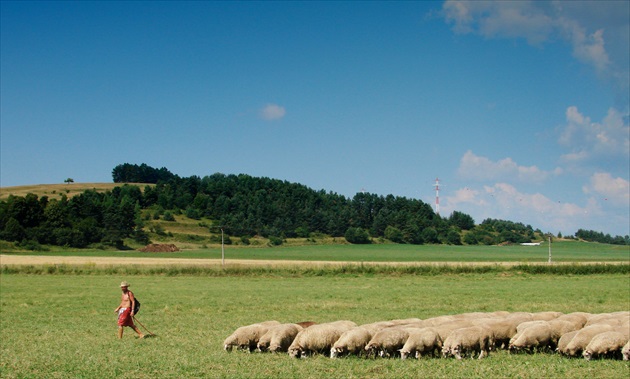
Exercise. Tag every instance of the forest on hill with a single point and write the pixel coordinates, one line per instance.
(245, 206)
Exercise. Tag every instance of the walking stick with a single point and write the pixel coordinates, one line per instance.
(145, 328)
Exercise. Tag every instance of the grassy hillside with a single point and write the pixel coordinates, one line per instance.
(199, 239)
(52, 190)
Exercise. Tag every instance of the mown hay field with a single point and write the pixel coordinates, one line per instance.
(56, 190)
(63, 325)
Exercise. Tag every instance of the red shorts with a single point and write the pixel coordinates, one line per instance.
(125, 319)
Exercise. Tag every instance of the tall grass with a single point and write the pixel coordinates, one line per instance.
(316, 270)
(60, 326)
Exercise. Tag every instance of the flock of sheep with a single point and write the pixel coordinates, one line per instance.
(604, 335)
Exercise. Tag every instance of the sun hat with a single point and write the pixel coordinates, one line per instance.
(124, 284)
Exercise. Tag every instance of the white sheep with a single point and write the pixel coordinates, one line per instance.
(439, 320)
(524, 325)
(536, 336)
(561, 327)
(625, 352)
(377, 326)
(499, 314)
(318, 338)
(470, 340)
(607, 344)
(445, 330)
(388, 341)
(424, 341)
(564, 341)
(470, 316)
(343, 324)
(578, 319)
(278, 338)
(352, 341)
(246, 337)
(597, 318)
(583, 337)
(405, 321)
(546, 316)
(519, 316)
(502, 330)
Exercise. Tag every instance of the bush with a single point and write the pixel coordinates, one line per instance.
(357, 236)
(275, 241)
(32, 245)
(453, 238)
(168, 216)
(302, 232)
(193, 213)
(430, 235)
(470, 239)
(394, 234)
(157, 229)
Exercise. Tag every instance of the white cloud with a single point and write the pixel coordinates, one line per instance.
(596, 30)
(481, 168)
(589, 48)
(586, 138)
(465, 195)
(272, 112)
(505, 201)
(572, 158)
(614, 190)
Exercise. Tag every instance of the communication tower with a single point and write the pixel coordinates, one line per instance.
(437, 196)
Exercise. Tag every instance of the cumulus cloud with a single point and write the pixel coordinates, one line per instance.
(596, 31)
(481, 168)
(586, 138)
(512, 19)
(505, 201)
(614, 190)
(272, 112)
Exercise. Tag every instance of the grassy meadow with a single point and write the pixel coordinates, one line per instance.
(562, 251)
(59, 326)
(57, 321)
(56, 190)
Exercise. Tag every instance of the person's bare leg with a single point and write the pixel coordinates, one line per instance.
(140, 335)
(120, 332)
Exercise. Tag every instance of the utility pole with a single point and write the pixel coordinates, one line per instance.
(223, 251)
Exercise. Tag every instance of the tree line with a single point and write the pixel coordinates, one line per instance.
(244, 206)
(593, 236)
(88, 218)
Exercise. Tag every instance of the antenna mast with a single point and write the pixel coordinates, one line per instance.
(437, 196)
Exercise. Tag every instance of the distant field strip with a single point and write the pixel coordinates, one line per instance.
(123, 261)
(70, 189)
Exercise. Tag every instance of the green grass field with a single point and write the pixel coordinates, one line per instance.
(562, 251)
(60, 326)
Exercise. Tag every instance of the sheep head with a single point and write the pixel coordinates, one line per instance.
(263, 346)
(456, 351)
(295, 352)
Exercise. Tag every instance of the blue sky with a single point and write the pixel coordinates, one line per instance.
(520, 108)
